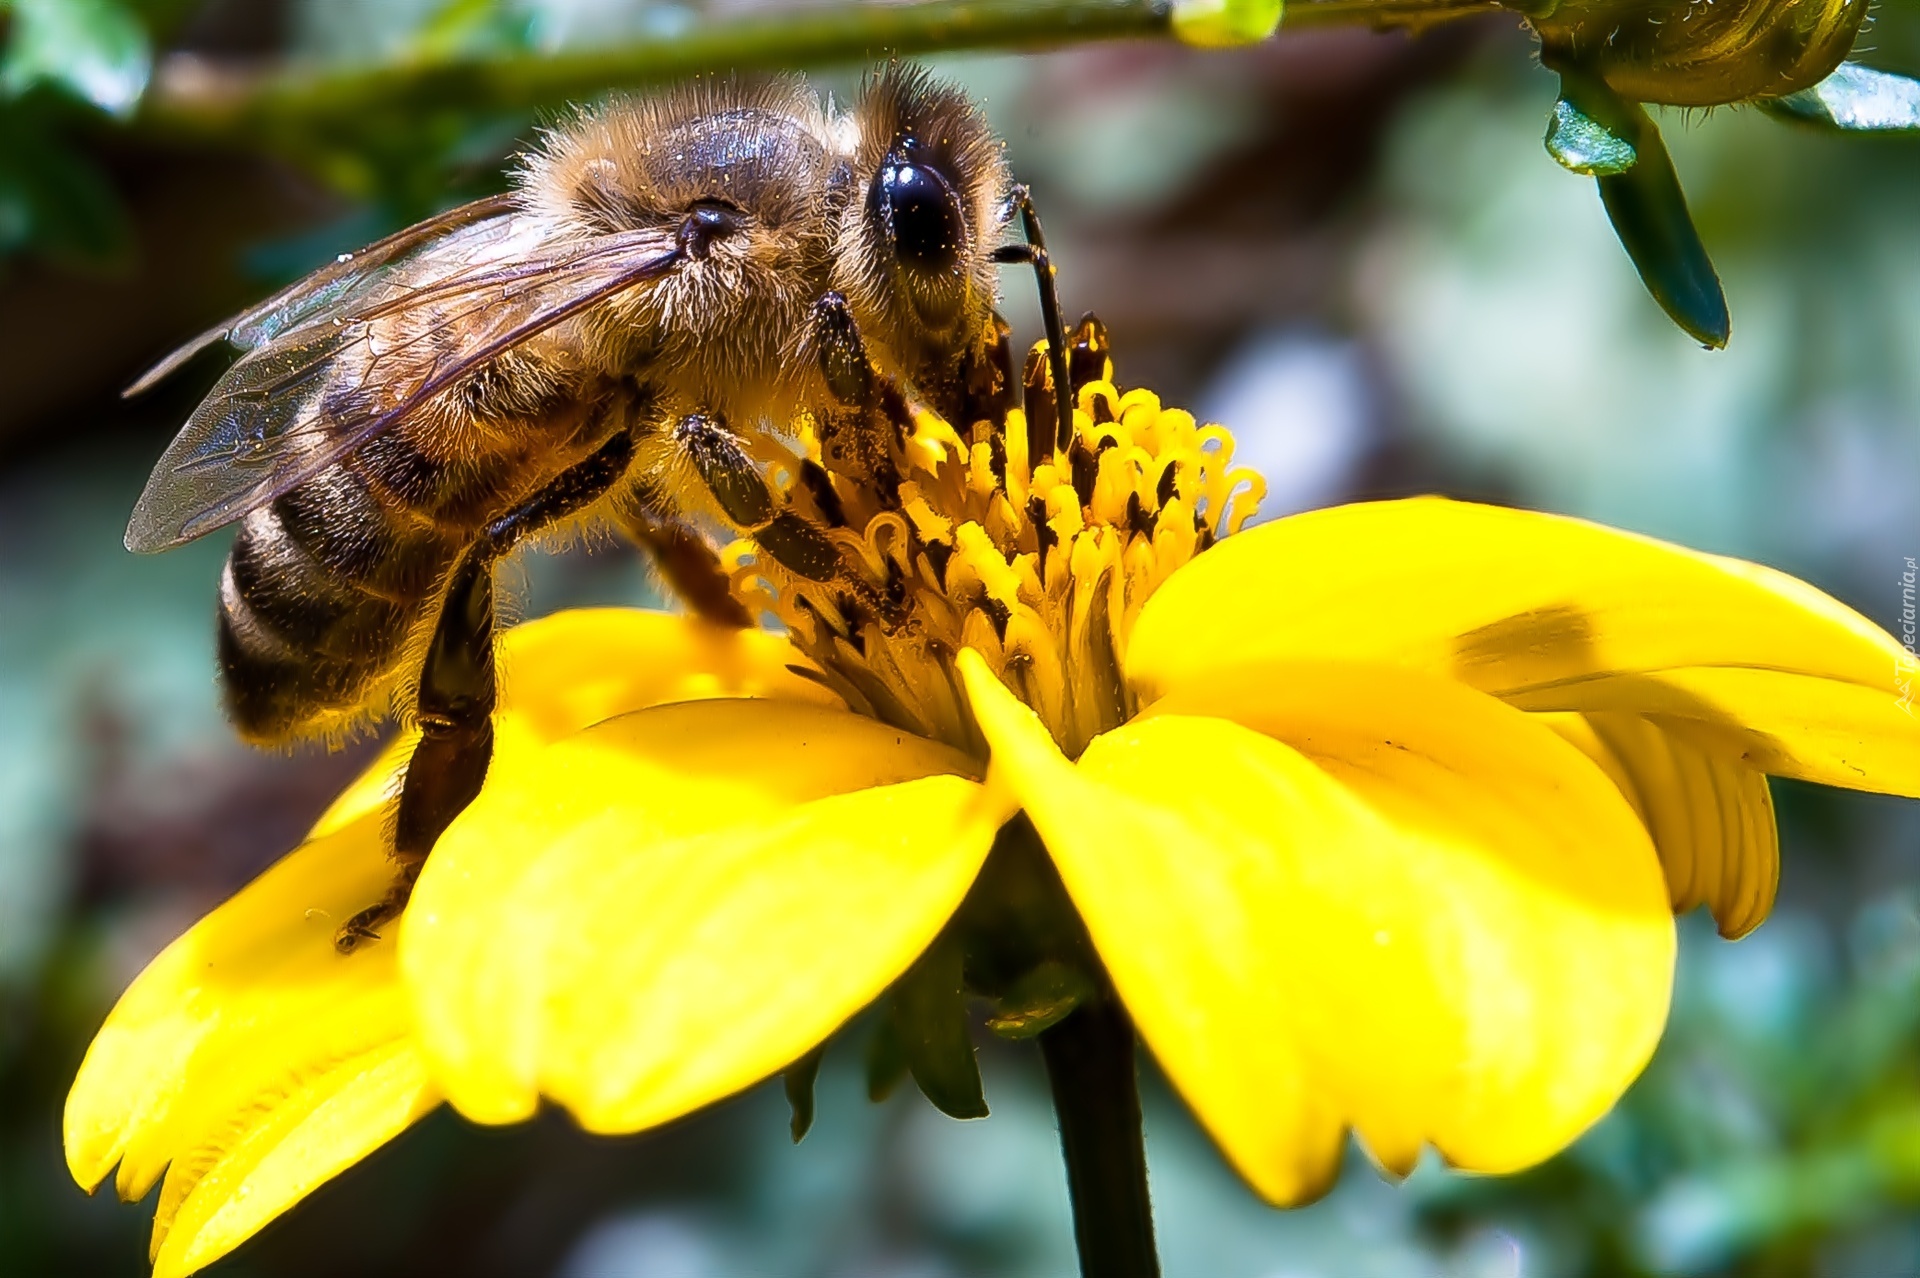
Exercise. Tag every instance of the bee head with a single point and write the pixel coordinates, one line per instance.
(917, 259)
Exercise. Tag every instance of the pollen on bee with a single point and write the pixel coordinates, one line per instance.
(1041, 563)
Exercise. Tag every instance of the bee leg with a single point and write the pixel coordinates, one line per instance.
(862, 434)
(1034, 254)
(458, 687)
(455, 713)
(692, 571)
(841, 354)
(734, 480)
(988, 386)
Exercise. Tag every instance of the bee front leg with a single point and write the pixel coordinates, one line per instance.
(1034, 253)
(860, 436)
(801, 543)
(840, 353)
(458, 687)
(742, 494)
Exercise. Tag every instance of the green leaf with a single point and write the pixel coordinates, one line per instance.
(1649, 212)
(468, 28)
(930, 1020)
(799, 1079)
(55, 202)
(1854, 99)
(1584, 145)
(1039, 1000)
(886, 1060)
(94, 50)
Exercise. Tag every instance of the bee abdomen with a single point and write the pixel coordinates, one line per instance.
(319, 596)
(382, 549)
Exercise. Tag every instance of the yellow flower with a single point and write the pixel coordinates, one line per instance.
(250, 1062)
(1376, 818)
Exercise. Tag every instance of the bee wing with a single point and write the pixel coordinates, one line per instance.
(344, 282)
(294, 405)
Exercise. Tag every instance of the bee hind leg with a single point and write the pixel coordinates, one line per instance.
(455, 714)
(458, 686)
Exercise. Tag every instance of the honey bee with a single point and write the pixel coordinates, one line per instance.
(666, 277)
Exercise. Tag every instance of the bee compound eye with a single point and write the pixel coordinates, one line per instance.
(920, 213)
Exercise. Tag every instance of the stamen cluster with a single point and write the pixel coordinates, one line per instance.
(996, 537)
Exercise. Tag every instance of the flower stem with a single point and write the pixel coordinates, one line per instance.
(1096, 1096)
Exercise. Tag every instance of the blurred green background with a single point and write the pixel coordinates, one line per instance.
(1349, 246)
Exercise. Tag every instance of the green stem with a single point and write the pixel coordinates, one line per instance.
(193, 99)
(194, 103)
(1096, 1096)
(1301, 15)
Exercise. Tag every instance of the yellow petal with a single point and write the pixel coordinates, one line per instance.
(1417, 912)
(1553, 614)
(560, 673)
(1710, 815)
(1790, 725)
(672, 904)
(1542, 902)
(250, 1061)
(313, 1132)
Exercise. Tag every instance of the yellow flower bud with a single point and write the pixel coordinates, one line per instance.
(1222, 23)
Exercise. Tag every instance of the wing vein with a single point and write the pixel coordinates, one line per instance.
(302, 400)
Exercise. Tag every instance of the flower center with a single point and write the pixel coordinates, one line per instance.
(997, 538)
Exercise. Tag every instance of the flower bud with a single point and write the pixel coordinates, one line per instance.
(1699, 52)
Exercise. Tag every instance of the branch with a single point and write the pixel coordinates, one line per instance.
(301, 108)
(196, 99)
(1416, 15)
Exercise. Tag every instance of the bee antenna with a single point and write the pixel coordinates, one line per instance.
(1034, 254)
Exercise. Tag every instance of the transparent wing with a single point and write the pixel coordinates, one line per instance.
(322, 387)
(348, 280)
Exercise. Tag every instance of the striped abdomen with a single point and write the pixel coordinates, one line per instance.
(323, 589)
(328, 587)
